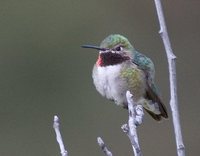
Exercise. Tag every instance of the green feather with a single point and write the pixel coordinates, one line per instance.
(116, 39)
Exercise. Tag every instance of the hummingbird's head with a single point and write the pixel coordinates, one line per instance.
(114, 49)
(117, 42)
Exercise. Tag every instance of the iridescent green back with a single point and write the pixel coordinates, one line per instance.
(144, 63)
(147, 65)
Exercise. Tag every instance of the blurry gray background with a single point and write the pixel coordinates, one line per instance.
(43, 72)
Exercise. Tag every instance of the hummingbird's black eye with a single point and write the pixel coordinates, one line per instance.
(119, 48)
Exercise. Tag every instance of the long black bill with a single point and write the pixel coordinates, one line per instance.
(94, 47)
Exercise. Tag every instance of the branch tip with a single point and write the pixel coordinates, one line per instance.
(100, 141)
(103, 146)
(161, 31)
(125, 128)
(172, 56)
(56, 118)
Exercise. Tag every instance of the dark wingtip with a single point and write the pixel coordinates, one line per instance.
(163, 110)
(156, 117)
(165, 115)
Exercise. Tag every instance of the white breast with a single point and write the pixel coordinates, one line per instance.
(108, 82)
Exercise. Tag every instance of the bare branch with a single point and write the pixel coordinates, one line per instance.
(135, 118)
(103, 147)
(56, 126)
(172, 76)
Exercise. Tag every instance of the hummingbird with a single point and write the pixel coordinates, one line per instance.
(119, 68)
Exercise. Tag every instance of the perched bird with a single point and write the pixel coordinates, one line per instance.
(119, 68)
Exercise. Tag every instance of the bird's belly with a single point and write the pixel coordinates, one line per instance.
(109, 83)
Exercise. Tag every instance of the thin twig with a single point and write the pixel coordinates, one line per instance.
(172, 76)
(56, 126)
(135, 118)
(103, 147)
